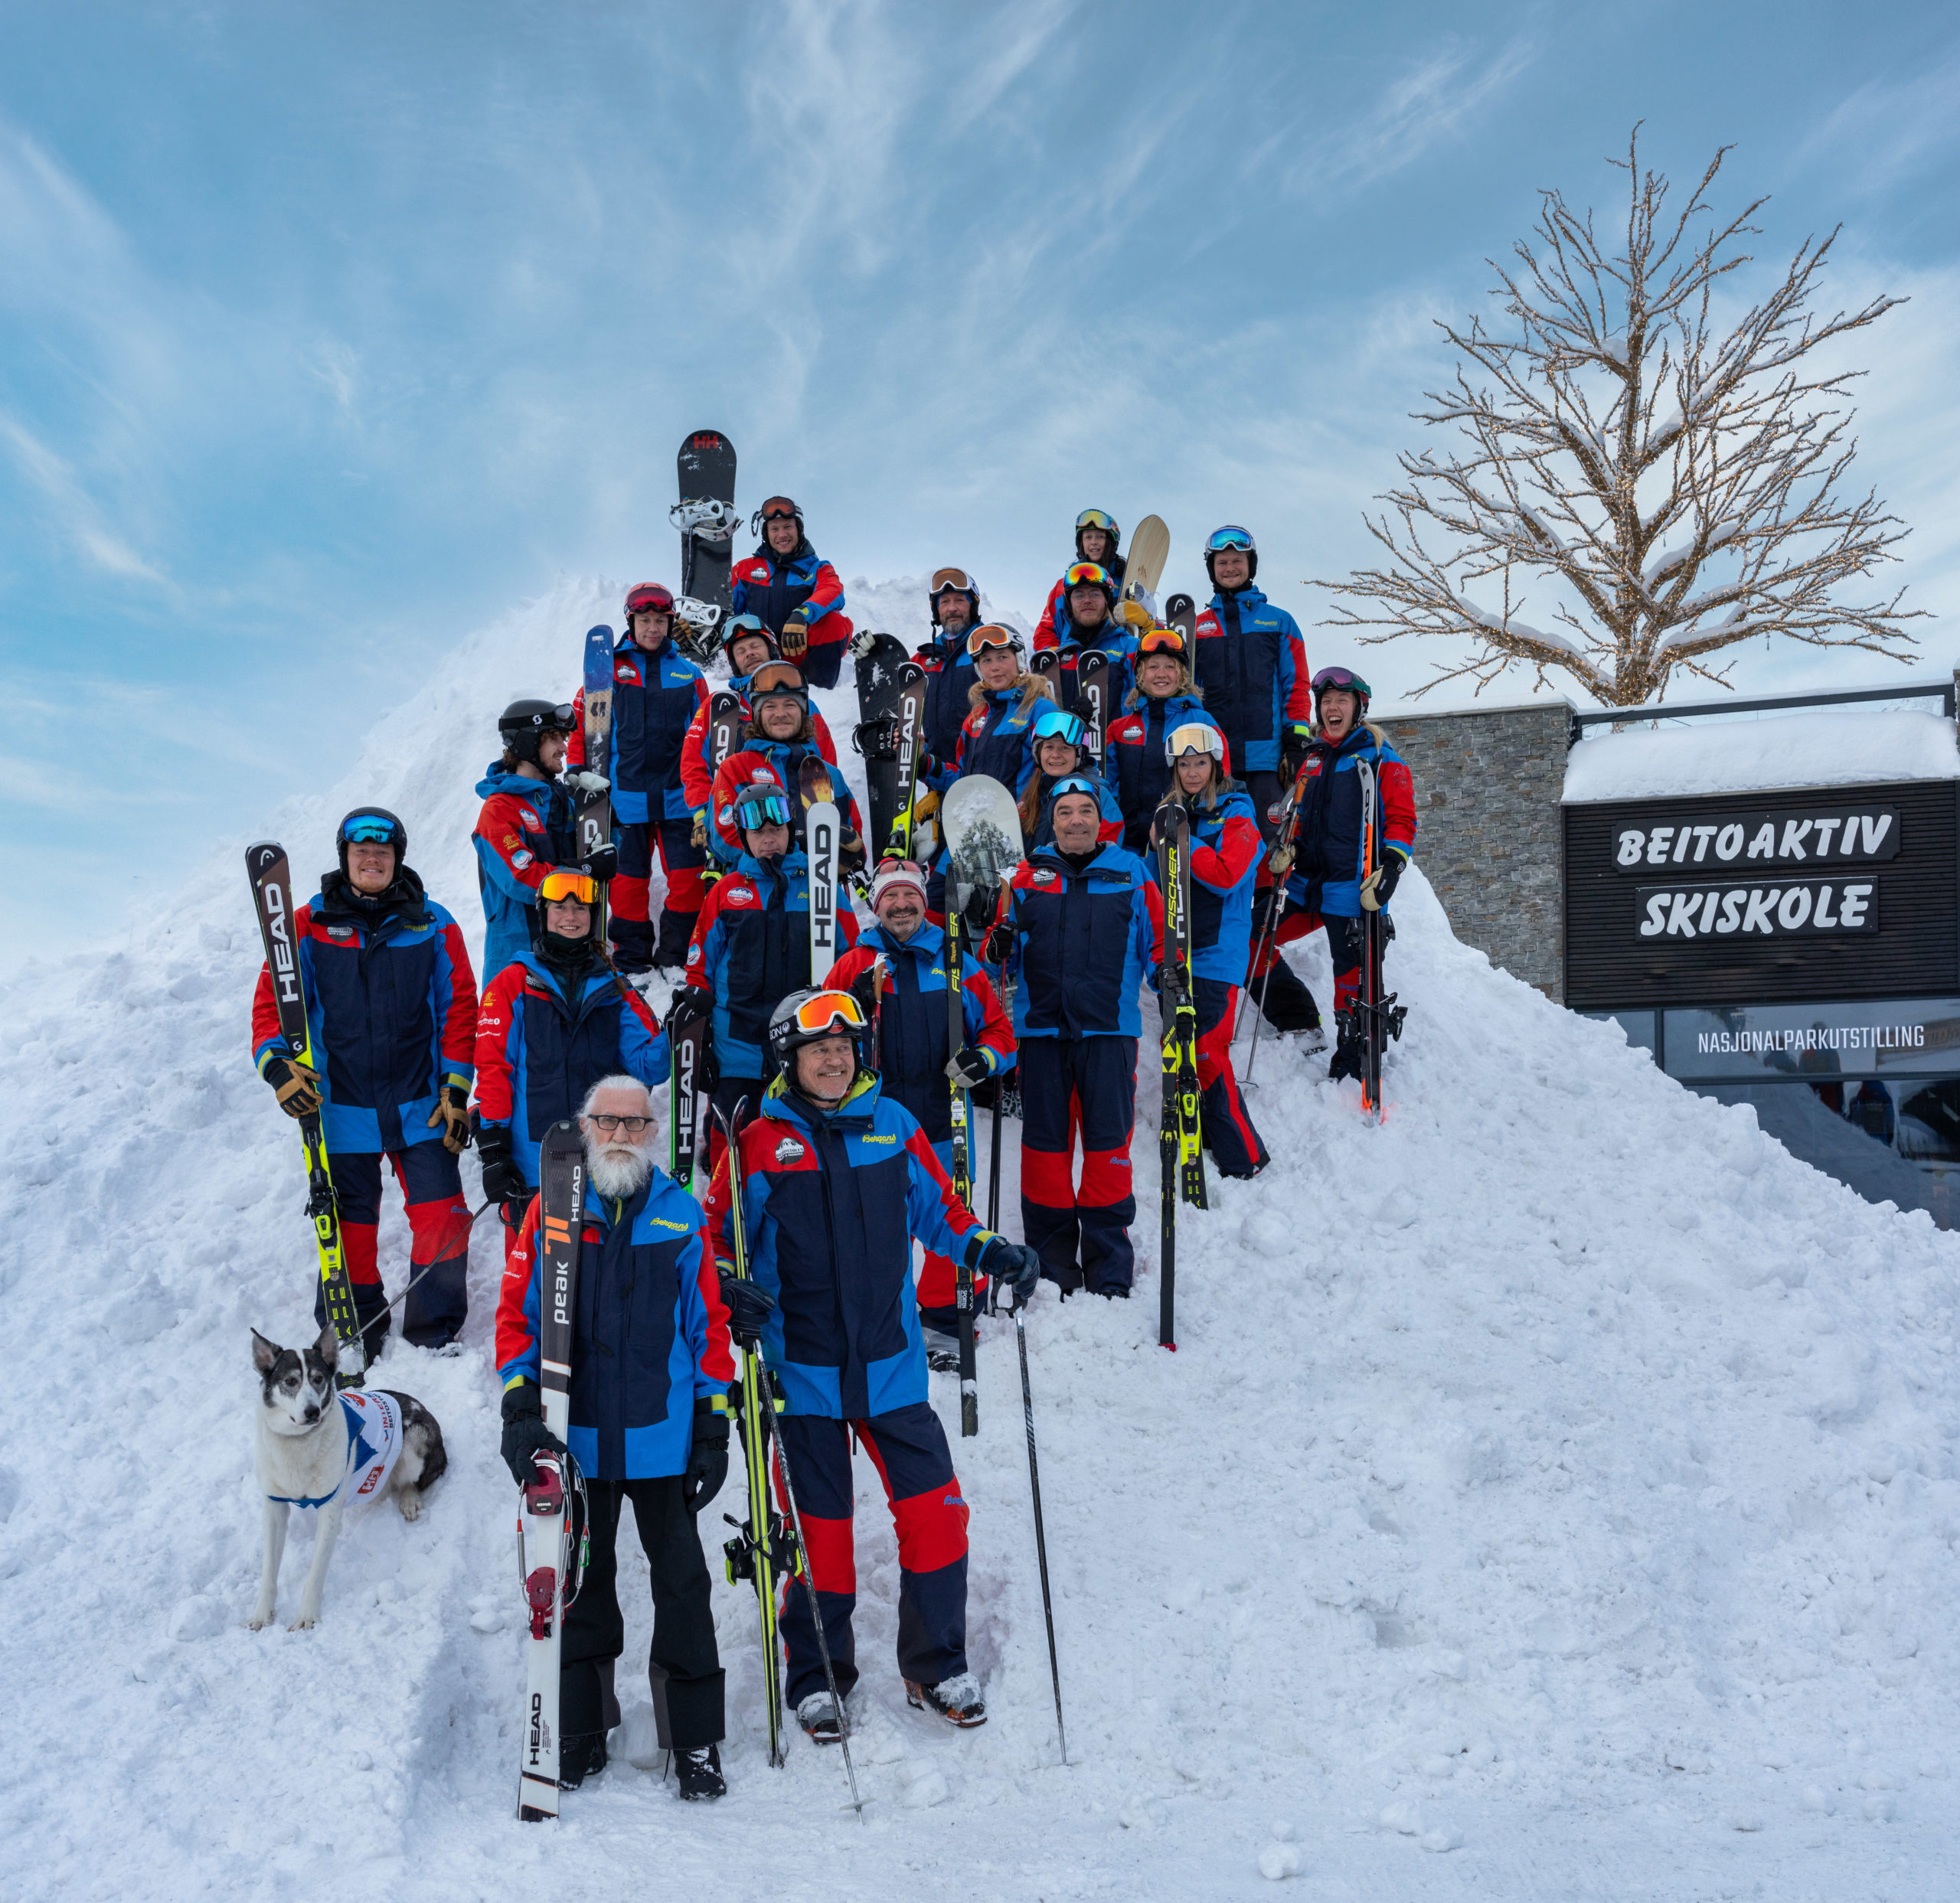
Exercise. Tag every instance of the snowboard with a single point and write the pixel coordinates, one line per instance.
(1150, 549)
(878, 692)
(705, 467)
(1181, 612)
(981, 825)
(594, 818)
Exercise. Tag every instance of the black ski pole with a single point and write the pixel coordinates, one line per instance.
(1040, 1537)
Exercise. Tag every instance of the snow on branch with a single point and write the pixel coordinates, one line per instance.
(1682, 487)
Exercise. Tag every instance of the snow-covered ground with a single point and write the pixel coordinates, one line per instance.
(1553, 1494)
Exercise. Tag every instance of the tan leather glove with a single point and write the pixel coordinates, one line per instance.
(795, 637)
(297, 1088)
(452, 1112)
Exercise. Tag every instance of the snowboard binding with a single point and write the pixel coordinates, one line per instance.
(707, 518)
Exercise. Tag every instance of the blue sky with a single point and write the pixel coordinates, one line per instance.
(329, 333)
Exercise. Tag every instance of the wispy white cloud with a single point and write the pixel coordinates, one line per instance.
(75, 514)
(1888, 130)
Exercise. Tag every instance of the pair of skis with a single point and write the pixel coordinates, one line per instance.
(1092, 690)
(1180, 1135)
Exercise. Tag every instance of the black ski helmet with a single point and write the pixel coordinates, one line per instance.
(371, 825)
(524, 723)
(1231, 535)
(553, 948)
(814, 1013)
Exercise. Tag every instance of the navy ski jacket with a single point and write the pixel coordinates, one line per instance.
(526, 827)
(1133, 760)
(1083, 943)
(655, 699)
(1252, 665)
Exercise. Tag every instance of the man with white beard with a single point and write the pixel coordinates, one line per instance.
(650, 1304)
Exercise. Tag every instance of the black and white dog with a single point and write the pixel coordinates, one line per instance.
(320, 1449)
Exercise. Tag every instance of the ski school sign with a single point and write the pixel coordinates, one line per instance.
(1803, 906)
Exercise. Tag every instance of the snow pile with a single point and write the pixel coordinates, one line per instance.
(1843, 747)
(1558, 1471)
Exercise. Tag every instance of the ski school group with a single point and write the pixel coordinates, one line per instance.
(1147, 799)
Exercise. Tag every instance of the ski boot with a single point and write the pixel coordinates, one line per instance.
(817, 1716)
(942, 1351)
(698, 1774)
(957, 1700)
(580, 1756)
(1347, 1061)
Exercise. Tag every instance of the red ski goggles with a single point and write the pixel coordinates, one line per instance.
(650, 596)
(559, 887)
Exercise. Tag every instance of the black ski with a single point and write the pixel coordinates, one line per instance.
(911, 740)
(688, 1044)
(1181, 1150)
(1380, 1017)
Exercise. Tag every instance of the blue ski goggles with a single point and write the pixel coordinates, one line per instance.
(371, 830)
(1075, 783)
(762, 809)
(1231, 536)
(1057, 723)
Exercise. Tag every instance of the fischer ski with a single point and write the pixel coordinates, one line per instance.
(595, 816)
(821, 832)
(1181, 1149)
(272, 899)
(962, 1165)
(551, 1535)
(911, 730)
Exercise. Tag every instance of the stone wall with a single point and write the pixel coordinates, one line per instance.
(1488, 783)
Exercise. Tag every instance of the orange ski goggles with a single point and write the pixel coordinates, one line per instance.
(825, 1011)
(581, 886)
(1161, 641)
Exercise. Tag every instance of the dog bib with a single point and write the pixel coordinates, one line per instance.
(372, 1421)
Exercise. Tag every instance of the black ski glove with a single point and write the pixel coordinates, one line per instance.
(969, 1067)
(1013, 1263)
(864, 988)
(1379, 887)
(693, 1004)
(1293, 748)
(297, 1088)
(749, 1309)
(998, 943)
(708, 1459)
(604, 863)
(503, 1180)
(525, 1434)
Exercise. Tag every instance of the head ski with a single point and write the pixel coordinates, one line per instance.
(821, 830)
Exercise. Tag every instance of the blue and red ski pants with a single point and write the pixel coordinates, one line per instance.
(908, 1446)
(1235, 1145)
(680, 861)
(1079, 1090)
(439, 1231)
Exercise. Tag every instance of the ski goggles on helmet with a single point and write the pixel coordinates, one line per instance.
(778, 678)
(650, 596)
(1231, 536)
(957, 580)
(897, 875)
(823, 1012)
(1097, 519)
(762, 809)
(1089, 575)
(562, 719)
(992, 635)
(1161, 641)
(1342, 677)
(560, 885)
(371, 829)
(1075, 783)
(1057, 723)
(1195, 736)
(778, 508)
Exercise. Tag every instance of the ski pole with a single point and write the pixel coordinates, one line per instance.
(1040, 1537)
(1268, 942)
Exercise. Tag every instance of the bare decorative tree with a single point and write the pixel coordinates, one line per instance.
(1682, 486)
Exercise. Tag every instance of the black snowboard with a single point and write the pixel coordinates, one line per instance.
(707, 468)
(878, 704)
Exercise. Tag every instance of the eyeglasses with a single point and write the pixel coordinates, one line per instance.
(651, 596)
(559, 886)
(1231, 536)
(1057, 723)
(777, 677)
(633, 1126)
(1161, 641)
(762, 809)
(1342, 677)
(371, 832)
(823, 1011)
(993, 635)
(955, 579)
(1089, 574)
(1096, 519)
(1194, 737)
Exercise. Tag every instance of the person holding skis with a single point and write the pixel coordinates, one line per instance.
(751, 945)
(1134, 761)
(1225, 855)
(1322, 870)
(1081, 925)
(651, 1368)
(526, 827)
(836, 1181)
(1252, 665)
(552, 1022)
(391, 1005)
(896, 971)
(656, 694)
(1061, 751)
(1096, 536)
(779, 737)
(797, 594)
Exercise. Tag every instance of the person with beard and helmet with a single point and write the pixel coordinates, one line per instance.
(747, 646)
(896, 971)
(1161, 699)
(1322, 871)
(1081, 924)
(751, 946)
(1061, 752)
(955, 598)
(391, 1011)
(779, 735)
(1252, 665)
(1225, 855)
(652, 1363)
(797, 595)
(1091, 627)
(527, 826)
(656, 694)
(551, 1023)
(1096, 536)
(838, 1181)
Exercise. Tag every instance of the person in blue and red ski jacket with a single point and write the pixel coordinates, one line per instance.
(1163, 698)
(652, 1363)
(1252, 665)
(948, 660)
(747, 646)
(796, 593)
(527, 826)
(896, 971)
(1323, 871)
(997, 736)
(835, 1181)
(552, 1023)
(1225, 854)
(656, 694)
(1096, 536)
(779, 737)
(1061, 752)
(391, 1014)
(1090, 627)
(1080, 925)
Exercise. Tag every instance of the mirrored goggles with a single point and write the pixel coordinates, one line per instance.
(1096, 519)
(1342, 677)
(369, 830)
(1193, 737)
(651, 596)
(762, 809)
(1075, 783)
(957, 580)
(1161, 641)
(1089, 574)
(993, 635)
(580, 885)
(1231, 536)
(830, 1011)
(1057, 723)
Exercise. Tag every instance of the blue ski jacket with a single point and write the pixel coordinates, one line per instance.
(655, 699)
(1252, 665)
(1326, 876)
(1084, 942)
(1225, 854)
(1133, 760)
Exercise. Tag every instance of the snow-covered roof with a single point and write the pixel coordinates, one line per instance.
(1824, 746)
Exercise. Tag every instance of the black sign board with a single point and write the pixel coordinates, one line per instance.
(1841, 893)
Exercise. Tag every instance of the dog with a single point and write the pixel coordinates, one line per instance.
(321, 1449)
